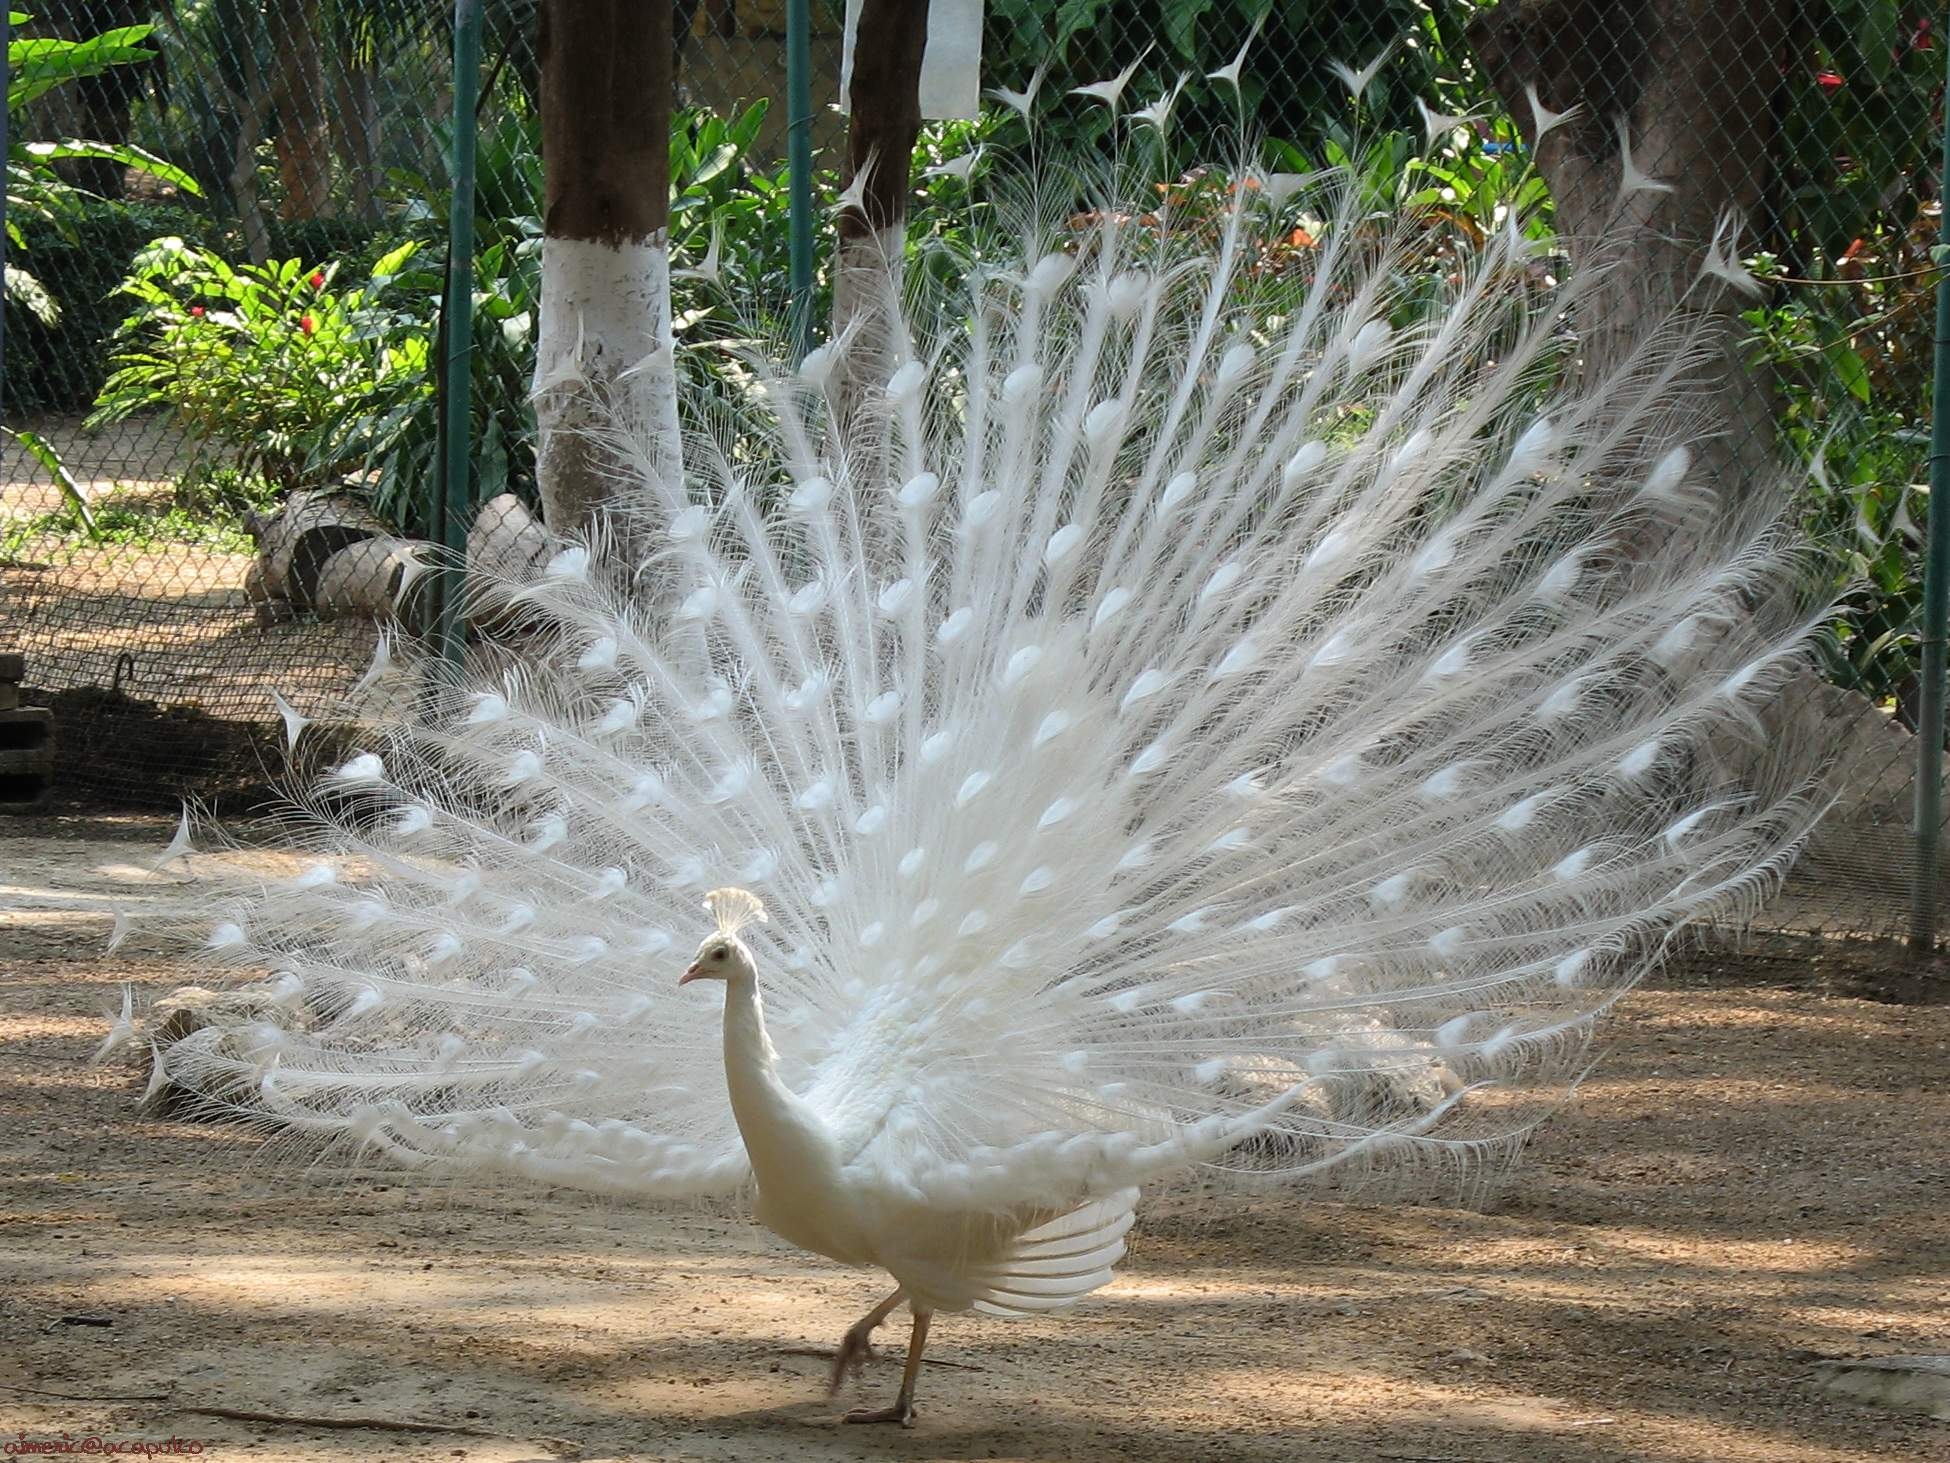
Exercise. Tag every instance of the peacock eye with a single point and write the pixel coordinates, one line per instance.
(717, 954)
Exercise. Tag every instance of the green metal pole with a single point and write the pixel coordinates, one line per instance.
(6, 39)
(798, 156)
(1936, 604)
(457, 310)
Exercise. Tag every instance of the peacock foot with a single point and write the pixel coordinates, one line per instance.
(900, 1412)
(856, 1350)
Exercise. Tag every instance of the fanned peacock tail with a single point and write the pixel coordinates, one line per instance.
(1222, 703)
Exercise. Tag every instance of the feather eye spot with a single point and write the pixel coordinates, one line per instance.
(1669, 472)
(904, 385)
(1057, 812)
(687, 525)
(1302, 464)
(1332, 548)
(1051, 727)
(811, 496)
(1242, 657)
(1110, 607)
(1223, 579)
(1038, 881)
(919, 490)
(1063, 544)
(1147, 684)
(1021, 664)
(1393, 891)
(1572, 866)
(1640, 760)
(895, 598)
(982, 509)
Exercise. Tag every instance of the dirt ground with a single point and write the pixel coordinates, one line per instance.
(1754, 1177)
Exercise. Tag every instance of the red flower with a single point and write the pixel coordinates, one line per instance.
(318, 280)
(307, 324)
(1828, 80)
(197, 310)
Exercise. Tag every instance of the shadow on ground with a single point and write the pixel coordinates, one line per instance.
(1751, 1178)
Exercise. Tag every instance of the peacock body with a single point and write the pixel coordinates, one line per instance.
(1219, 707)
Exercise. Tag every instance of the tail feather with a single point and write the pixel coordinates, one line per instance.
(1218, 704)
(1059, 1262)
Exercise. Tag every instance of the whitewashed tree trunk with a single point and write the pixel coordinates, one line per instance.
(1691, 83)
(884, 99)
(604, 372)
(603, 358)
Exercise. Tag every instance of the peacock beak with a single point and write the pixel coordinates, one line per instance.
(696, 969)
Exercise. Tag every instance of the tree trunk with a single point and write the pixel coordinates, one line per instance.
(303, 143)
(1693, 82)
(884, 101)
(91, 108)
(250, 102)
(356, 133)
(603, 359)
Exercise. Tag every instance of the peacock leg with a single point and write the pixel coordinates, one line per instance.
(902, 1411)
(857, 1345)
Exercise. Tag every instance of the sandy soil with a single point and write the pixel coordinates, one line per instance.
(1754, 1177)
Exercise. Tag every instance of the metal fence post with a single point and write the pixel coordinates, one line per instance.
(798, 153)
(1936, 602)
(455, 479)
(6, 80)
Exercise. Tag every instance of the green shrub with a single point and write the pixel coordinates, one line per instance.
(83, 258)
(257, 362)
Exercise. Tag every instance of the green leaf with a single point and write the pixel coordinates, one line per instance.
(1851, 370)
(43, 452)
(32, 295)
(1073, 18)
(1878, 33)
(391, 262)
(128, 155)
(1181, 20)
(37, 65)
(720, 159)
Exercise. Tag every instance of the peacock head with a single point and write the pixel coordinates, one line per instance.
(724, 956)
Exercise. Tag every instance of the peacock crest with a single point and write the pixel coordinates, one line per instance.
(734, 909)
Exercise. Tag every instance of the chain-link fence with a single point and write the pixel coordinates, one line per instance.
(222, 351)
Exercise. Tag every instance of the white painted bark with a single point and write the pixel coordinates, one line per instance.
(605, 379)
(951, 68)
(867, 274)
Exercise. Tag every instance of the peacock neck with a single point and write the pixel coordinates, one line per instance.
(769, 1116)
(748, 1050)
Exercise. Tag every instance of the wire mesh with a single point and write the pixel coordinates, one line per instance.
(254, 326)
